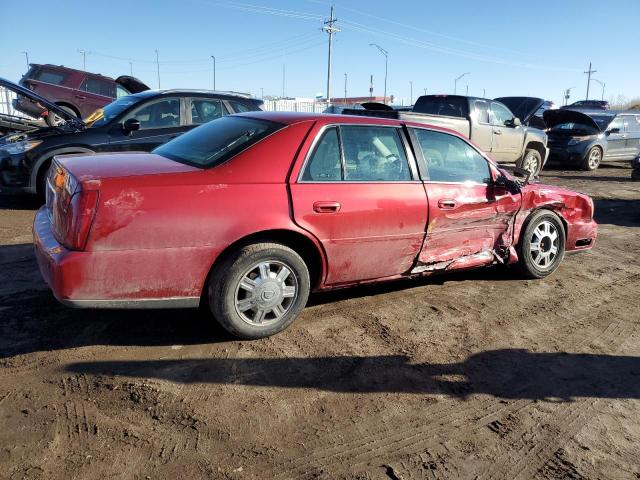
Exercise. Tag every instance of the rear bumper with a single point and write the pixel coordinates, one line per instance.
(101, 279)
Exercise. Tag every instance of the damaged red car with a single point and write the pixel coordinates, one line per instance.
(249, 213)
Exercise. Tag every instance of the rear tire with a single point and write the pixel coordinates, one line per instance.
(542, 245)
(259, 290)
(532, 161)
(592, 159)
(54, 120)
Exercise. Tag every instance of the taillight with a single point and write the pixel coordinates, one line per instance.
(71, 209)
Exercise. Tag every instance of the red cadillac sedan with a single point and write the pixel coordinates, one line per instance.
(251, 212)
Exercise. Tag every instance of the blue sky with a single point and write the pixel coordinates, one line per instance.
(509, 47)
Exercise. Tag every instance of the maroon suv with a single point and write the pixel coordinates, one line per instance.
(80, 93)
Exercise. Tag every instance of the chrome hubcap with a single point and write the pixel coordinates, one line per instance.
(544, 244)
(266, 292)
(594, 158)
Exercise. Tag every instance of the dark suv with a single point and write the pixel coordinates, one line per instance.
(138, 122)
(77, 92)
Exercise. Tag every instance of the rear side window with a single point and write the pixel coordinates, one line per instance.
(239, 107)
(450, 159)
(99, 86)
(633, 123)
(217, 141)
(203, 110)
(482, 111)
(358, 154)
(447, 105)
(47, 76)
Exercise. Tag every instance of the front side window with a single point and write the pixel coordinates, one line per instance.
(500, 115)
(450, 159)
(239, 107)
(618, 123)
(163, 113)
(217, 141)
(482, 111)
(203, 110)
(121, 91)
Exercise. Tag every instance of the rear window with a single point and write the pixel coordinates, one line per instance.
(215, 142)
(48, 76)
(447, 105)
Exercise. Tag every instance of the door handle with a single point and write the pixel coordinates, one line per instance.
(497, 132)
(326, 207)
(447, 204)
(80, 97)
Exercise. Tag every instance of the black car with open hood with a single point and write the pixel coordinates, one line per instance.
(138, 122)
(584, 138)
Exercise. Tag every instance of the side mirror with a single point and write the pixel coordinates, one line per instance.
(514, 122)
(130, 125)
(613, 130)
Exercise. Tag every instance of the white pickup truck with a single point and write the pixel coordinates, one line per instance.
(488, 123)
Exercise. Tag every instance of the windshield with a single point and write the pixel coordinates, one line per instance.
(574, 127)
(212, 143)
(102, 116)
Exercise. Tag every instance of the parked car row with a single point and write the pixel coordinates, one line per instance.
(139, 122)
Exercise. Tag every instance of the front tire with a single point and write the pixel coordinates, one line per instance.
(592, 159)
(259, 290)
(532, 161)
(542, 245)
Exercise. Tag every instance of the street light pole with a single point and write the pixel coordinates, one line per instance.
(158, 65)
(589, 72)
(410, 92)
(130, 68)
(345, 88)
(84, 58)
(602, 84)
(386, 65)
(26, 54)
(214, 71)
(567, 95)
(455, 82)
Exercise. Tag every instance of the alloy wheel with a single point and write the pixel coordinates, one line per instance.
(531, 163)
(544, 245)
(594, 158)
(266, 292)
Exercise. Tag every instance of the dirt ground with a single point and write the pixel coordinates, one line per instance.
(476, 375)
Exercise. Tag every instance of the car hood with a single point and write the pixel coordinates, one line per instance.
(36, 134)
(522, 107)
(52, 107)
(131, 84)
(556, 117)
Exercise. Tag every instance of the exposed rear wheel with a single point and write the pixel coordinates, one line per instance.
(259, 290)
(542, 245)
(592, 159)
(53, 120)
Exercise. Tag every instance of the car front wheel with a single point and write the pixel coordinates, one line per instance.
(259, 290)
(592, 159)
(532, 161)
(542, 245)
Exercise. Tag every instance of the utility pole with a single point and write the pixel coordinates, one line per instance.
(84, 58)
(261, 93)
(467, 91)
(371, 88)
(331, 30)
(602, 84)
(410, 92)
(484, 93)
(345, 88)
(214, 71)
(158, 65)
(589, 72)
(386, 64)
(283, 79)
(131, 68)
(26, 54)
(455, 82)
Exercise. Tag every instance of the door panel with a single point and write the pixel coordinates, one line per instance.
(616, 142)
(357, 195)
(507, 141)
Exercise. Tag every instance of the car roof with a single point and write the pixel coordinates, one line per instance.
(289, 118)
(62, 67)
(196, 93)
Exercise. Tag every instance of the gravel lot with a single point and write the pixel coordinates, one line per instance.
(475, 375)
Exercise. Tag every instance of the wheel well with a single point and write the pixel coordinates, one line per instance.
(68, 105)
(299, 243)
(565, 225)
(536, 146)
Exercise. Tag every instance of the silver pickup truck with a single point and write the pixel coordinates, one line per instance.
(488, 123)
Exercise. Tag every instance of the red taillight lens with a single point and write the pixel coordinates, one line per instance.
(83, 210)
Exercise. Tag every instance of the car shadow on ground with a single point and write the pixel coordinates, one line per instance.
(506, 374)
(625, 213)
(20, 202)
(32, 320)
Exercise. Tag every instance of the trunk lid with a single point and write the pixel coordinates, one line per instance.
(131, 84)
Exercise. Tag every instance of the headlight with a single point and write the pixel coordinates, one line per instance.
(20, 147)
(573, 141)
